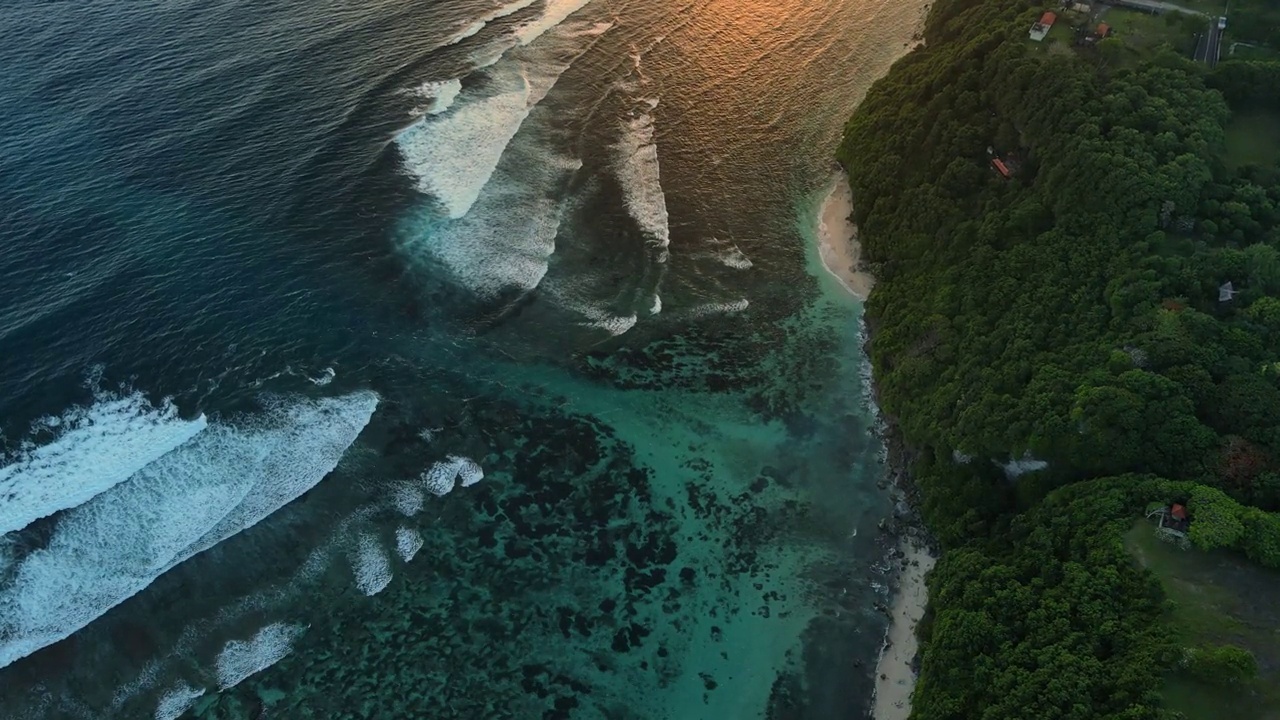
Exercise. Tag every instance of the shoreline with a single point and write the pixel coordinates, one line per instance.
(838, 247)
(895, 669)
(911, 557)
(914, 554)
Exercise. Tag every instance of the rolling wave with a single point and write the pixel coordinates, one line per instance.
(439, 95)
(638, 173)
(176, 701)
(240, 659)
(98, 448)
(224, 480)
(555, 13)
(453, 156)
(479, 23)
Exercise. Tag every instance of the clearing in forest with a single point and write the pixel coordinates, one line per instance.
(1218, 598)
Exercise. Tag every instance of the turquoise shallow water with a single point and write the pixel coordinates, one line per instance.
(282, 282)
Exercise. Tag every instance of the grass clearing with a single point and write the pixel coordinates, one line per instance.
(1247, 52)
(1253, 137)
(1254, 21)
(1215, 599)
(1143, 33)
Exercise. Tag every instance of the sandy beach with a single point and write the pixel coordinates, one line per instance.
(839, 250)
(838, 239)
(894, 677)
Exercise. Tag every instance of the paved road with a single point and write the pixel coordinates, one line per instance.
(1213, 44)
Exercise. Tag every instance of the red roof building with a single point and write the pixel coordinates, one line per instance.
(1000, 167)
(1178, 512)
(1103, 30)
(1048, 18)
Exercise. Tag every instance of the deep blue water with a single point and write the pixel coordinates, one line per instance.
(275, 277)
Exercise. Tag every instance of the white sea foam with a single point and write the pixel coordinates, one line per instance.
(488, 55)
(478, 24)
(727, 308)
(408, 499)
(176, 701)
(613, 324)
(372, 567)
(408, 543)
(442, 476)
(95, 449)
(636, 156)
(506, 242)
(656, 306)
(324, 378)
(240, 659)
(224, 480)
(728, 254)
(469, 471)
(454, 155)
(439, 95)
(555, 13)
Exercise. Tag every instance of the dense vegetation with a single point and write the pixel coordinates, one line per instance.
(1071, 314)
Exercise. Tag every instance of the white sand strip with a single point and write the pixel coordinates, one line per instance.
(894, 678)
(838, 240)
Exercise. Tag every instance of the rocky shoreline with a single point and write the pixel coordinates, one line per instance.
(911, 553)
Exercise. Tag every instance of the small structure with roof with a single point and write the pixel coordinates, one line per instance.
(1103, 30)
(1172, 523)
(1041, 28)
(1226, 292)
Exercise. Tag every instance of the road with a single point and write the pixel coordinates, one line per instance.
(1213, 44)
(1209, 44)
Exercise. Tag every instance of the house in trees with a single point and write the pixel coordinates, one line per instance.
(1226, 292)
(1172, 523)
(1041, 27)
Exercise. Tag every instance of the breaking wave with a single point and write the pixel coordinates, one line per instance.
(437, 94)
(240, 659)
(97, 448)
(728, 254)
(453, 156)
(441, 477)
(507, 242)
(638, 174)
(479, 23)
(724, 308)
(556, 12)
(224, 480)
(177, 701)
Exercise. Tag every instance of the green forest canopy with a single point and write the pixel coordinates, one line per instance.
(1071, 313)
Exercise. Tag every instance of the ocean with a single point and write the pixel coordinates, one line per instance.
(437, 359)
